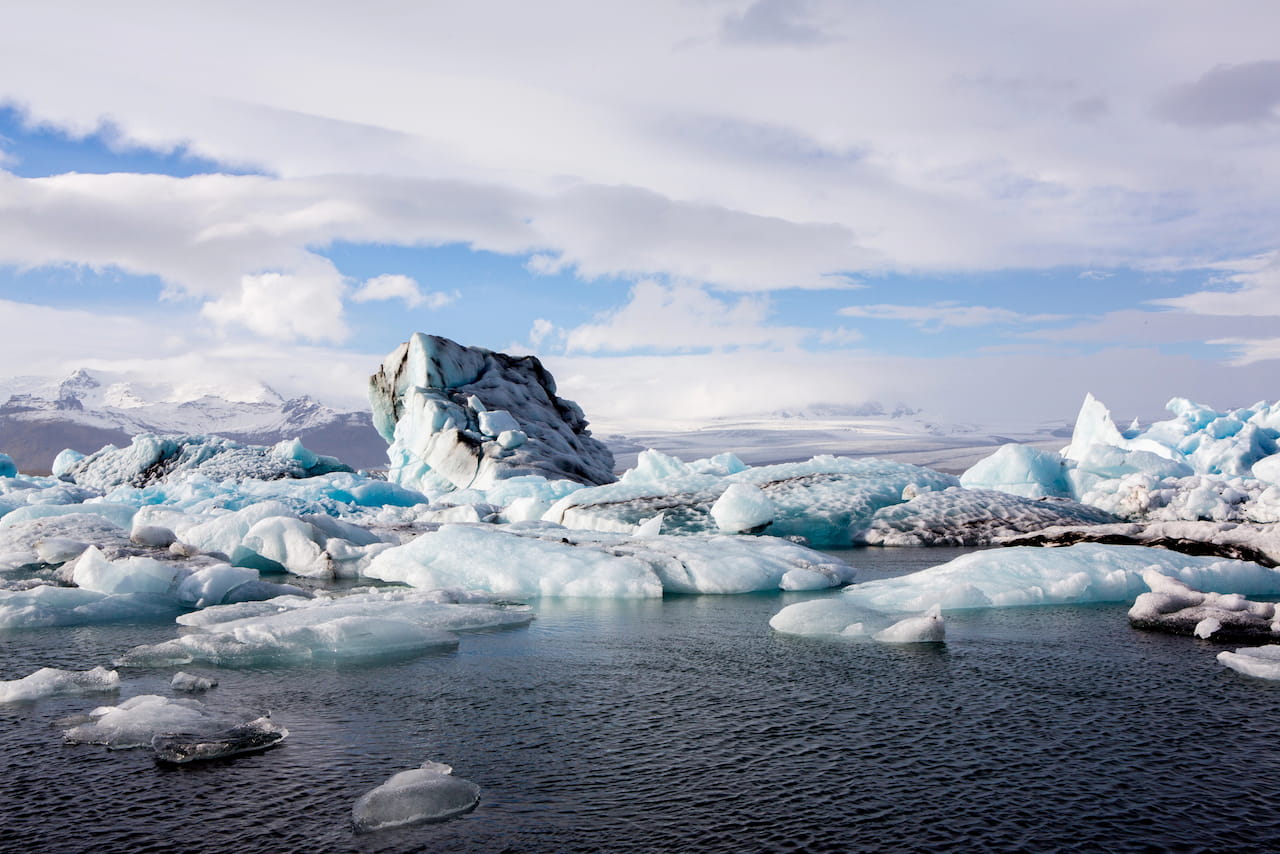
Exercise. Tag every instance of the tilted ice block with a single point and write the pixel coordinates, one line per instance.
(1073, 575)
(429, 793)
(455, 414)
(1260, 662)
(51, 682)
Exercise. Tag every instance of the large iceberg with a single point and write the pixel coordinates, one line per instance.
(462, 417)
(1202, 464)
(542, 559)
(1073, 575)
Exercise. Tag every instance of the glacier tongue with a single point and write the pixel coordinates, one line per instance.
(463, 417)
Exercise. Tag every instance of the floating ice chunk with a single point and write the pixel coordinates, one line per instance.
(213, 585)
(138, 720)
(65, 461)
(833, 616)
(51, 682)
(118, 514)
(928, 628)
(429, 793)
(1176, 607)
(58, 550)
(93, 571)
(1260, 662)
(743, 508)
(971, 517)
(252, 736)
(291, 544)
(45, 605)
(1076, 574)
(547, 560)
(189, 683)
(444, 408)
(7, 466)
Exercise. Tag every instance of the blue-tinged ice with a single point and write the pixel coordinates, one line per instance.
(429, 793)
(548, 560)
(1075, 575)
(829, 501)
(7, 466)
(52, 682)
(153, 458)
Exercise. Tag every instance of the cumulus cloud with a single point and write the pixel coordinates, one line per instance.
(1246, 93)
(946, 314)
(395, 286)
(285, 306)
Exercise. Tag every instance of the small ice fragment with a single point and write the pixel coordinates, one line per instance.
(191, 684)
(1207, 627)
(252, 737)
(429, 793)
(929, 628)
(650, 527)
(743, 508)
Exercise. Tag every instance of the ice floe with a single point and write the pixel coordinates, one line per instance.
(839, 617)
(1175, 607)
(1260, 662)
(532, 559)
(1072, 575)
(183, 729)
(462, 417)
(52, 682)
(429, 793)
(182, 748)
(362, 626)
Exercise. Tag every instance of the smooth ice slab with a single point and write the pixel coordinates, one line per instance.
(429, 793)
(524, 560)
(1073, 575)
(52, 682)
(138, 720)
(1260, 662)
(837, 617)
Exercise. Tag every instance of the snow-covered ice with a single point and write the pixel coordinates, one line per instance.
(1073, 575)
(52, 682)
(463, 417)
(428, 793)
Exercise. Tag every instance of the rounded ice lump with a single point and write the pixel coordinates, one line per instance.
(429, 793)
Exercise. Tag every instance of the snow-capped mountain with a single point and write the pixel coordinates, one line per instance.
(88, 409)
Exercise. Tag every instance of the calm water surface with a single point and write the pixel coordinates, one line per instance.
(687, 725)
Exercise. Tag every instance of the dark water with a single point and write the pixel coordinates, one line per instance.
(687, 725)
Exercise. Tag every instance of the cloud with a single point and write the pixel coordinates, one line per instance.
(395, 286)
(946, 314)
(1252, 289)
(681, 318)
(772, 22)
(1247, 93)
(285, 306)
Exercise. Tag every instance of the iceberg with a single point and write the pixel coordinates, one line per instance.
(189, 683)
(7, 466)
(428, 793)
(1177, 608)
(466, 417)
(828, 501)
(959, 516)
(838, 617)
(52, 682)
(152, 458)
(541, 559)
(1256, 543)
(139, 720)
(1072, 575)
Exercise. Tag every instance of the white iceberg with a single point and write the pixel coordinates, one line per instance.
(1073, 575)
(182, 748)
(429, 793)
(838, 617)
(524, 560)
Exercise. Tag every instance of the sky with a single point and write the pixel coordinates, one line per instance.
(687, 209)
